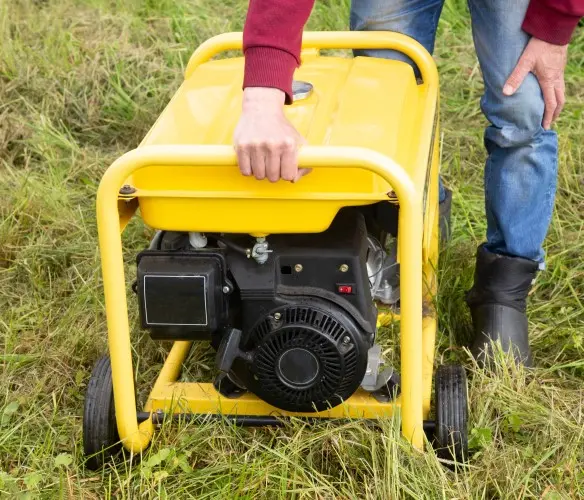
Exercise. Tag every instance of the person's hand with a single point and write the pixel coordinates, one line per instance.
(266, 143)
(547, 62)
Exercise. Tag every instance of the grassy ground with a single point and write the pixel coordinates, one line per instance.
(81, 81)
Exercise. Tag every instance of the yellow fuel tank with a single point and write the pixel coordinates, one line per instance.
(365, 102)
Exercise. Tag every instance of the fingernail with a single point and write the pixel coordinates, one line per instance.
(508, 89)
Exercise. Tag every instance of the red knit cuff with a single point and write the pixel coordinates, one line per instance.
(548, 24)
(269, 67)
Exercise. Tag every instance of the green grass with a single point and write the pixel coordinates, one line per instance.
(81, 81)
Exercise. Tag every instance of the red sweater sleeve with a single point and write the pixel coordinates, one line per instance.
(553, 20)
(272, 38)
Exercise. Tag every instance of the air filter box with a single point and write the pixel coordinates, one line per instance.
(180, 294)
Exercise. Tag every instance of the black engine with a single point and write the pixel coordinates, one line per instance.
(291, 317)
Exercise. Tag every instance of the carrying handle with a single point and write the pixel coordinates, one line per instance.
(330, 40)
(224, 156)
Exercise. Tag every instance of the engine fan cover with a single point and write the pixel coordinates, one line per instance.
(307, 358)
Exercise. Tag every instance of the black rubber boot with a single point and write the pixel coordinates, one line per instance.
(497, 303)
(444, 211)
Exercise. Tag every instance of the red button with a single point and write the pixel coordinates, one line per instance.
(345, 289)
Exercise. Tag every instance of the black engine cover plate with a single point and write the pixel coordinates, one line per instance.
(307, 357)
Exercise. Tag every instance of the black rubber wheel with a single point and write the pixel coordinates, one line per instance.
(100, 432)
(451, 431)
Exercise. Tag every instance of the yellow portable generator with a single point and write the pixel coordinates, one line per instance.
(289, 282)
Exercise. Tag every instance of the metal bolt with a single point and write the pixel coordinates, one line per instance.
(346, 339)
(226, 289)
(277, 316)
(344, 268)
(127, 189)
(298, 268)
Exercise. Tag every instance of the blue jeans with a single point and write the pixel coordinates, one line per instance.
(521, 167)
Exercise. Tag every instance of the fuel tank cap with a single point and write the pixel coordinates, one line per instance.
(301, 90)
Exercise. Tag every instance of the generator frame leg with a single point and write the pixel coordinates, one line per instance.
(410, 248)
(111, 221)
(171, 369)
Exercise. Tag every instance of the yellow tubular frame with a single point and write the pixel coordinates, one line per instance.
(113, 213)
